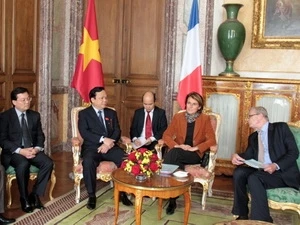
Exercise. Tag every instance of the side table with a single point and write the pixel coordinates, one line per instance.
(161, 187)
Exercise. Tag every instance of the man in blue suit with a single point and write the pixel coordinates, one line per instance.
(100, 130)
(273, 144)
(158, 121)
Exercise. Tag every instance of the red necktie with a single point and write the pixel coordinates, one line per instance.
(148, 132)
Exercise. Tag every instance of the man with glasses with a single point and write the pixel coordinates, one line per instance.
(274, 146)
(22, 142)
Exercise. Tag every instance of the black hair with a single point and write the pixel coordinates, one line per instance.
(94, 91)
(16, 91)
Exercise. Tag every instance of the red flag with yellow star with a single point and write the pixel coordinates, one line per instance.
(88, 72)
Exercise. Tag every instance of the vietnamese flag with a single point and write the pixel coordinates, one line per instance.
(88, 72)
(191, 71)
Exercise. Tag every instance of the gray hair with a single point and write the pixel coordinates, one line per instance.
(261, 110)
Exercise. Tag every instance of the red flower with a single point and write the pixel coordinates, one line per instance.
(135, 169)
(123, 165)
(154, 166)
(143, 150)
(141, 161)
(154, 157)
(132, 156)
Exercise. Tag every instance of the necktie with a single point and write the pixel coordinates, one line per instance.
(25, 133)
(101, 119)
(260, 148)
(148, 132)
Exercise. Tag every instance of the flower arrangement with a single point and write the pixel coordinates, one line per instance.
(142, 162)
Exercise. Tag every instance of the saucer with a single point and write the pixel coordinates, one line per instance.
(180, 174)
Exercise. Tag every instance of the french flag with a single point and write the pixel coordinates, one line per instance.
(191, 71)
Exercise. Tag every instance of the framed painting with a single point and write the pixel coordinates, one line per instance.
(276, 24)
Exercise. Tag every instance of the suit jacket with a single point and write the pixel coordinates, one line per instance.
(91, 130)
(11, 132)
(159, 123)
(204, 135)
(282, 149)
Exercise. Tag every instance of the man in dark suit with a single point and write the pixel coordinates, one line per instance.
(272, 144)
(139, 122)
(100, 130)
(22, 141)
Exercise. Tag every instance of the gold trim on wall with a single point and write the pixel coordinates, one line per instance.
(259, 37)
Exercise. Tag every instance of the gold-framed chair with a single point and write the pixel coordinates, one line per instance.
(204, 176)
(287, 198)
(11, 175)
(104, 169)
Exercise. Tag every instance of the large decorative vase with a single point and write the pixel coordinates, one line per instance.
(231, 38)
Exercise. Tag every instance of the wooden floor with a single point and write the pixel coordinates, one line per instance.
(63, 166)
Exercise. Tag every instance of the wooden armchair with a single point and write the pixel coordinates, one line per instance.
(104, 169)
(204, 176)
(11, 175)
(287, 198)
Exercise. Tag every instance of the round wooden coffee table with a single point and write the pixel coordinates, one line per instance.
(162, 187)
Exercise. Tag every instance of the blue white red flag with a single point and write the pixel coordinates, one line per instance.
(191, 71)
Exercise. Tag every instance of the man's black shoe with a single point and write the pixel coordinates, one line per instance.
(91, 203)
(171, 207)
(124, 199)
(35, 201)
(26, 206)
(242, 218)
(4, 220)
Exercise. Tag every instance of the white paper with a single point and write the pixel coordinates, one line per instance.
(142, 140)
(254, 163)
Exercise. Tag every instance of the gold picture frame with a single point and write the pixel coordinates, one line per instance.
(276, 24)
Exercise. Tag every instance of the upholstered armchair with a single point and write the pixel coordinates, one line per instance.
(11, 175)
(287, 198)
(204, 176)
(104, 169)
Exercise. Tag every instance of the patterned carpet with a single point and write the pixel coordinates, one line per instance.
(64, 211)
(56, 207)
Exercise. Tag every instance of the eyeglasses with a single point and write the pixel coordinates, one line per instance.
(24, 99)
(249, 116)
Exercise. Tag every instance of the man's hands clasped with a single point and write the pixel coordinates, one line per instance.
(108, 143)
(29, 153)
